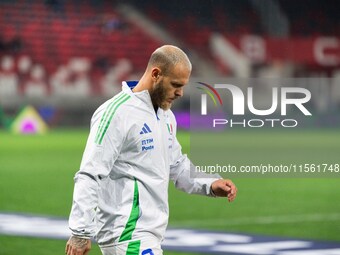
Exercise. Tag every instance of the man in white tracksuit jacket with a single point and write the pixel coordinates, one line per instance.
(121, 190)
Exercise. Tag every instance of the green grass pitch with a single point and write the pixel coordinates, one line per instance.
(36, 176)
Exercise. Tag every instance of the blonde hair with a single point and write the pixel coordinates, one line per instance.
(167, 56)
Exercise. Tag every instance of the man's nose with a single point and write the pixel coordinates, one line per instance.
(179, 92)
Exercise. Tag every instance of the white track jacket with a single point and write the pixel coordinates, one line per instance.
(121, 189)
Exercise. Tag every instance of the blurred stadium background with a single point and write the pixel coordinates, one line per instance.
(65, 58)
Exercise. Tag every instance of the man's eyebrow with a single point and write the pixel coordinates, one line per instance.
(177, 84)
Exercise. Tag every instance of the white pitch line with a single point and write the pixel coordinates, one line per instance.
(263, 220)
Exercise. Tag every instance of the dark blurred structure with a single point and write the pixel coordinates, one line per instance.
(312, 18)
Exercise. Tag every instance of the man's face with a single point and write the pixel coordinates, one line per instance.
(170, 87)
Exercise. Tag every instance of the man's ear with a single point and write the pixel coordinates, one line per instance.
(155, 73)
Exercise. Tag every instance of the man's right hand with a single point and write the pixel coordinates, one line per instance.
(78, 246)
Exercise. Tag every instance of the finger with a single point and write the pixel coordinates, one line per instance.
(88, 248)
(233, 191)
(232, 186)
(66, 248)
(232, 197)
(80, 251)
(225, 187)
(229, 183)
(69, 249)
(73, 251)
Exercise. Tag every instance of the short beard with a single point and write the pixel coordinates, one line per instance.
(158, 96)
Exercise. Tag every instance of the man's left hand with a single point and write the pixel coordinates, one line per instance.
(224, 188)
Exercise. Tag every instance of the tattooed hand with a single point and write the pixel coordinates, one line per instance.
(78, 246)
